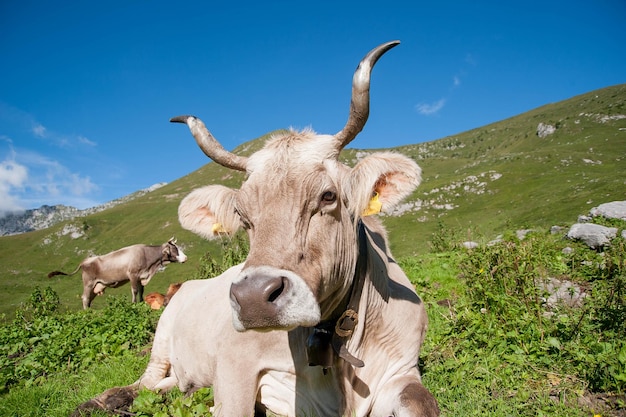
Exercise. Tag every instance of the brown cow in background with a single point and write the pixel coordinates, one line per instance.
(157, 300)
(136, 263)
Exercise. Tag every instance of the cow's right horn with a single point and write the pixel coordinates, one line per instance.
(360, 102)
(209, 145)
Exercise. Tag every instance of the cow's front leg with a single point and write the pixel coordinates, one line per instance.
(405, 396)
(137, 290)
(235, 390)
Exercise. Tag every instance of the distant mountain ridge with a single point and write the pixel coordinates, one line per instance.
(47, 216)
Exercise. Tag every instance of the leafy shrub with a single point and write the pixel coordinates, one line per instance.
(39, 341)
(504, 311)
(444, 239)
(173, 403)
(40, 303)
(234, 251)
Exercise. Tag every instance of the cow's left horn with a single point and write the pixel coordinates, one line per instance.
(360, 102)
(209, 145)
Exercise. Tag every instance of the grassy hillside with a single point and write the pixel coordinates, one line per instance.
(499, 176)
(505, 176)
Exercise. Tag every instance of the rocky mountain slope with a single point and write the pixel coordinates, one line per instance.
(47, 216)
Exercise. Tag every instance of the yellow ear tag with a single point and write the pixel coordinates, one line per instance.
(218, 228)
(373, 207)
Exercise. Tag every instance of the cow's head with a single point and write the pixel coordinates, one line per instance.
(172, 252)
(300, 207)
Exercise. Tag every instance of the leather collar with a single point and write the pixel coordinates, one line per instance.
(329, 338)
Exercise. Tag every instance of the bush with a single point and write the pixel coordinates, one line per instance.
(234, 251)
(40, 341)
(173, 403)
(504, 312)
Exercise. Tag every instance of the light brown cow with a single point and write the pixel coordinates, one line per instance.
(157, 300)
(340, 324)
(136, 263)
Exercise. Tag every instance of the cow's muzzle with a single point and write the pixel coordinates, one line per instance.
(265, 298)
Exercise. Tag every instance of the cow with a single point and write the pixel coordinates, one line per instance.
(319, 319)
(157, 300)
(136, 263)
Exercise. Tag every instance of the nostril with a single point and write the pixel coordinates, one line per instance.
(278, 291)
(275, 290)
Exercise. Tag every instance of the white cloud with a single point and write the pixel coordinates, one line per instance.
(80, 186)
(428, 109)
(12, 173)
(12, 177)
(53, 178)
(29, 180)
(432, 108)
(39, 130)
(86, 141)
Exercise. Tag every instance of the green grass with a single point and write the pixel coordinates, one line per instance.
(491, 349)
(543, 181)
(61, 392)
(496, 351)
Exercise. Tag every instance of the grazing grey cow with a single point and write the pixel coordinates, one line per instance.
(136, 263)
(319, 320)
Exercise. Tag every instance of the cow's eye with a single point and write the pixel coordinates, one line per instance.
(329, 197)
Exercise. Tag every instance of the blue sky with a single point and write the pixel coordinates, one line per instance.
(87, 88)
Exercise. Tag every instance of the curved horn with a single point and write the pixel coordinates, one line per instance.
(209, 145)
(360, 103)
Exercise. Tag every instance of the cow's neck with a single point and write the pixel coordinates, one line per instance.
(156, 258)
(330, 337)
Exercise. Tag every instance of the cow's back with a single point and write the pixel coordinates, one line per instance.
(125, 259)
(114, 265)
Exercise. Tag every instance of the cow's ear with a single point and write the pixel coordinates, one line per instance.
(209, 212)
(380, 181)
